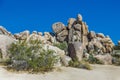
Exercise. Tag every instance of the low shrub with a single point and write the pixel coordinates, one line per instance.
(116, 57)
(30, 56)
(61, 45)
(80, 64)
(0, 53)
(116, 61)
(44, 62)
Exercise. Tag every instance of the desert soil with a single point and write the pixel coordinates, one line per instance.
(99, 72)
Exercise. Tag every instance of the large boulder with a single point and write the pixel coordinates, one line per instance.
(79, 17)
(62, 58)
(62, 36)
(22, 35)
(92, 35)
(85, 40)
(75, 50)
(70, 36)
(71, 21)
(84, 29)
(90, 47)
(106, 59)
(101, 35)
(65, 60)
(5, 42)
(77, 27)
(3, 31)
(58, 27)
(48, 38)
(96, 43)
(33, 36)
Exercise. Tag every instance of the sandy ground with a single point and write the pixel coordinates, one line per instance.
(99, 72)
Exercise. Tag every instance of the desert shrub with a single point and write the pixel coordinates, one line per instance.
(116, 53)
(30, 56)
(61, 45)
(116, 57)
(117, 47)
(0, 53)
(80, 64)
(44, 62)
(116, 61)
(93, 60)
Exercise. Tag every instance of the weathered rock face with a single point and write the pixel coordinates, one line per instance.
(106, 59)
(76, 50)
(58, 27)
(3, 31)
(47, 38)
(62, 36)
(63, 59)
(77, 31)
(60, 31)
(91, 35)
(71, 21)
(77, 35)
(23, 35)
(79, 17)
(100, 35)
(6, 38)
(5, 41)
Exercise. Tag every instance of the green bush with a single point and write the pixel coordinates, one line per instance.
(62, 45)
(0, 53)
(30, 56)
(116, 61)
(117, 47)
(44, 62)
(80, 64)
(116, 57)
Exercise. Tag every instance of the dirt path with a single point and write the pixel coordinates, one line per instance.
(100, 72)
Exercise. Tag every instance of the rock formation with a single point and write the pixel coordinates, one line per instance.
(80, 40)
(6, 38)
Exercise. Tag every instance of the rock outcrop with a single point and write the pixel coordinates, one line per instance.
(6, 38)
(77, 32)
(81, 42)
(76, 50)
(5, 41)
(47, 38)
(105, 59)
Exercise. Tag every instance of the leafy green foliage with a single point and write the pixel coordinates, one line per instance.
(31, 56)
(0, 53)
(80, 64)
(62, 45)
(116, 57)
(44, 62)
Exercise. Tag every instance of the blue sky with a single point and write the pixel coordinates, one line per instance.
(101, 15)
